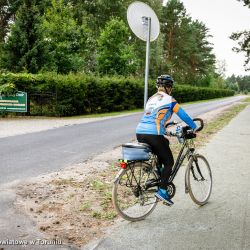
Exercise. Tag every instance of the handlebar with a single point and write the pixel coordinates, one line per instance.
(170, 133)
(201, 124)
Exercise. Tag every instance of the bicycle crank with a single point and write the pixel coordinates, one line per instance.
(171, 190)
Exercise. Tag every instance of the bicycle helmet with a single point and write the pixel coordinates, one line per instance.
(165, 81)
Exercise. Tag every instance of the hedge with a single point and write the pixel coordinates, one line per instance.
(76, 94)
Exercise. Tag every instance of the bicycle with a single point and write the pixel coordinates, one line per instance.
(134, 188)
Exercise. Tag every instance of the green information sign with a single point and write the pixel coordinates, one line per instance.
(14, 103)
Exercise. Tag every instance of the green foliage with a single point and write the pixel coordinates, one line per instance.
(64, 38)
(7, 10)
(82, 94)
(184, 93)
(93, 37)
(241, 83)
(24, 49)
(8, 89)
(115, 54)
(231, 83)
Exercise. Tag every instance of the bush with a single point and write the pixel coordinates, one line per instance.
(75, 94)
(8, 89)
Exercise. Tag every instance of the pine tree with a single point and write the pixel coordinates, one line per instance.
(25, 49)
(243, 39)
(187, 53)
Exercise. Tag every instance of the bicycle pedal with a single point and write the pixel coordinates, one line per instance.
(166, 204)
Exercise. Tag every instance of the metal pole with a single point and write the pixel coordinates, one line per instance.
(147, 61)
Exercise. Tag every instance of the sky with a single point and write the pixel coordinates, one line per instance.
(222, 17)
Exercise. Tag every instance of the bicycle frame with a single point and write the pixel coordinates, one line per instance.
(181, 157)
(154, 163)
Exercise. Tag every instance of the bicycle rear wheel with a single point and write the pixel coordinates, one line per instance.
(133, 195)
(199, 179)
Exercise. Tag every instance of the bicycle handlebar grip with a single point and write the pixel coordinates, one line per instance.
(201, 123)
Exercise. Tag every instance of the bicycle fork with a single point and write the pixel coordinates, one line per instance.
(187, 171)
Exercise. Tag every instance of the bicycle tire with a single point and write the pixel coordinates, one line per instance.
(199, 172)
(124, 199)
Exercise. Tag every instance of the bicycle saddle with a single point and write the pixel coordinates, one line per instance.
(138, 145)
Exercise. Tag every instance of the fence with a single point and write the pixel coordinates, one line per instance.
(42, 103)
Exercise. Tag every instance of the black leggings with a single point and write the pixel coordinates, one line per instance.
(160, 147)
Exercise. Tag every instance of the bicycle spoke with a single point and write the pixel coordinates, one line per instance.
(133, 201)
(200, 180)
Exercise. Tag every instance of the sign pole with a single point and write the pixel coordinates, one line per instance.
(147, 22)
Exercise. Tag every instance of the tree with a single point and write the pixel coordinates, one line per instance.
(231, 83)
(97, 13)
(246, 2)
(244, 83)
(25, 48)
(243, 39)
(187, 52)
(8, 9)
(115, 53)
(64, 38)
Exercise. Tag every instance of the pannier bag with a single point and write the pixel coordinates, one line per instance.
(135, 151)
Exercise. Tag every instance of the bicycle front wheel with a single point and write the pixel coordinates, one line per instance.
(133, 193)
(199, 179)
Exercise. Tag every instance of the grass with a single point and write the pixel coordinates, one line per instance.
(247, 99)
(98, 185)
(84, 206)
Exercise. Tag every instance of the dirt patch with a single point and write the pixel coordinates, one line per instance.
(74, 205)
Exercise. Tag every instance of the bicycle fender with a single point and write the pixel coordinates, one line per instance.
(186, 181)
(118, 175)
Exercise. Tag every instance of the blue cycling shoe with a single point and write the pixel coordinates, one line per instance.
(163, 195)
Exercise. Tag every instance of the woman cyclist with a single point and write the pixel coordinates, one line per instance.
(150, 130)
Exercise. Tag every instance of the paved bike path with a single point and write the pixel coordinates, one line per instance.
(224, 223)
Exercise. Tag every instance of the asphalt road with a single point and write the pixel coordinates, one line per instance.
(32, 154)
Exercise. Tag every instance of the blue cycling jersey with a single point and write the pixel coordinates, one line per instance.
(159, 110)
